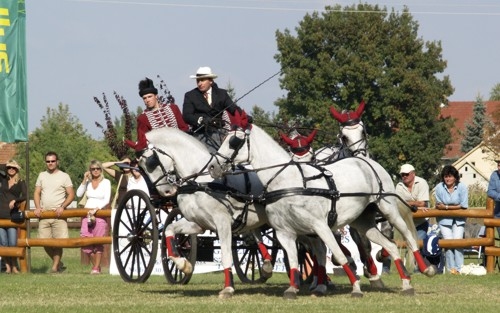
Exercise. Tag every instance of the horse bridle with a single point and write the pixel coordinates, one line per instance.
(153, 161)
(236, 144)
(350, 123)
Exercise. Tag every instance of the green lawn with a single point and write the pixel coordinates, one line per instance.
(76, 290)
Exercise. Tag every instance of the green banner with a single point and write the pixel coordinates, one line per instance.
(13, 92)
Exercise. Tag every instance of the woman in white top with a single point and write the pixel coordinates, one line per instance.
(98, 191)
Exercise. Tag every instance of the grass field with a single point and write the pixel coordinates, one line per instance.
(77, 291)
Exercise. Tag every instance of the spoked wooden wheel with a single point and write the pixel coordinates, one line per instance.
(305, 263)
(135, 237)
(247, 257)
(186, 246)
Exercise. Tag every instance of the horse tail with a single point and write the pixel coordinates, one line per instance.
(407, 216)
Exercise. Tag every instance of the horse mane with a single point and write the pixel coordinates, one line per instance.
(268, 141)
(168, 136)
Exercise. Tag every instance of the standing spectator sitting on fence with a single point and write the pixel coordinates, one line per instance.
(98, 191)
(13, 192)
(452, 195)
(121, 178)
(53, 192)
(494, 191)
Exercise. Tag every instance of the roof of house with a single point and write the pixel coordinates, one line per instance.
(462, 112)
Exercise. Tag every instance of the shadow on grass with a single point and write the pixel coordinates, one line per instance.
(269, 289)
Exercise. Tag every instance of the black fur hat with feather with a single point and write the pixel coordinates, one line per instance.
(147, 86)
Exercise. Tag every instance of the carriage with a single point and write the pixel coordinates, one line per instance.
(138, 234)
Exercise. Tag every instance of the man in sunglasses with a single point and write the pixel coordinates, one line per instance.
(53, 192)
(414, 190)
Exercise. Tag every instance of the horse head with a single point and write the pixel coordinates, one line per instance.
(171, 156)
(352, 130)
(159, 167)
(235, 149)
(300, 146)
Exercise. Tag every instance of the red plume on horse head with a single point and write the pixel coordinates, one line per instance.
(349, 117)
(240, 120)
(299, 144)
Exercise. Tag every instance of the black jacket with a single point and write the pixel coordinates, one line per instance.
(196, 106)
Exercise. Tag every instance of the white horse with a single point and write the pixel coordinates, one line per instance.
(302, 151)
(302, 199)
(175, 162)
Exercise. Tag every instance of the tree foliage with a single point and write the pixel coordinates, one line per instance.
(495, 93)
(474, 128)
(341, 56)
(63, 133)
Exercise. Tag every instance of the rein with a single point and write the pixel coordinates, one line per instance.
(189, 185)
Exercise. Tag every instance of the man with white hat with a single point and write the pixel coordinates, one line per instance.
(494, 190)
(205, 108)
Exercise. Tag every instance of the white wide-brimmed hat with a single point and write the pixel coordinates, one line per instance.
(204, 72)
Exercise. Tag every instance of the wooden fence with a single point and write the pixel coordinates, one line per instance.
(23, 242)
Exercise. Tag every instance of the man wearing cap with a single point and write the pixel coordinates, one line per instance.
(494, 191)
(155, 115)
(414, 190)
(205, 108)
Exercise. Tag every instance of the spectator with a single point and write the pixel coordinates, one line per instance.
(494, 191)
(136, 181)
(414, 190)
(155, 115)
(452, 195)
(120, 177)
(53, 192)
(13, 191)
(98, 190)
(205, 106)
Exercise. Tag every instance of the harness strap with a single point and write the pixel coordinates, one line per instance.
(241, 220)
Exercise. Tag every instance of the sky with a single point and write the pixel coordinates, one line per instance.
(80, 49)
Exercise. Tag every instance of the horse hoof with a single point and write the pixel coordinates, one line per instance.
(226, 293)
(356, 290)
(267, 269)
(290, 293)
(356, 294)
(319, 291)
(182, 264)
(408, 292)
(376, 282)
(430, 271)
(379, 256)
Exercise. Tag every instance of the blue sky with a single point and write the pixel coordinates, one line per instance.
(78, 49)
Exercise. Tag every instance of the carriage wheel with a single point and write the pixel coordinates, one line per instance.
(186, 246)
(135, 237)
(247, 257)
(305, 263)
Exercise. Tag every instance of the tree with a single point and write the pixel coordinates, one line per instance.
(495, 93)
(474, 130)
(342, 56)
(63, 133)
